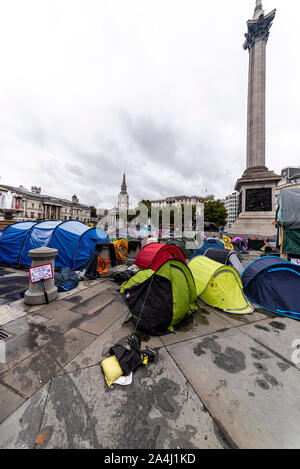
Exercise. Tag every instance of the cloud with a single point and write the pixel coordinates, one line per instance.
(90, 88)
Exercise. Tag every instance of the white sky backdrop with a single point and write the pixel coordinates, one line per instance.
(89, 88)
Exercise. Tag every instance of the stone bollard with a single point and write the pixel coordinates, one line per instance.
(103, 250)
(35, 294)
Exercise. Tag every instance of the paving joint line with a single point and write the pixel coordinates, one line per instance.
(46, 401)
(272, 351)
(227, 439)
(11, 388)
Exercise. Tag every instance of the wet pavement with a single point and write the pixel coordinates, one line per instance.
(12, 286)
(220, 381)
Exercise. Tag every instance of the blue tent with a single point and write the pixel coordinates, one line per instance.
(273, 283)
(209, 243)
(74, 240)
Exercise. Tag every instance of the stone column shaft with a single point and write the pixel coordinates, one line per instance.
(256, 125)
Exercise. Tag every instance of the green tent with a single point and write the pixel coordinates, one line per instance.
(288, 217)
(219, 286)
(160, 300)
(187, 245)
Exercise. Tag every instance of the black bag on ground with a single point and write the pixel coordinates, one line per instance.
(129, 359)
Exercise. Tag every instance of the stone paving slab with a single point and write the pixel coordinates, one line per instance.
(54, 309)
(38, 334)
(20, 430)
(18, 304)
(9, 401)
(20, 326)
(259, 314)
(203, 322)
(99, 349)
(67, 320)
(104, 318)
(88, 292)
(279, 335)
(3, 368)
(91, 305)
(11, 287)
(8, 313)
(253, 400)
(41, 366)
(156, 411)
(20, 347)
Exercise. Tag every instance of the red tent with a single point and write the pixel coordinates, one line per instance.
(154, 255)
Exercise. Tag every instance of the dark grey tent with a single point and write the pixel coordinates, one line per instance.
(288, 212)
(288, 220)
(225, 257)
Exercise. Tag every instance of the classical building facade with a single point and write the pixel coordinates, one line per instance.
(33, 205)
(176, 201)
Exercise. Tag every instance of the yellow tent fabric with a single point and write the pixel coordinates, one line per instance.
(121, 243)
(219, 286)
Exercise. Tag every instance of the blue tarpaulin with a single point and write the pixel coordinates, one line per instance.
(74, 240)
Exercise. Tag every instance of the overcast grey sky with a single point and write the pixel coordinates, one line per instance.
(89, 88)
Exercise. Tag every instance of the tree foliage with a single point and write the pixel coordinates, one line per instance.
(93, 211)
(214, 211)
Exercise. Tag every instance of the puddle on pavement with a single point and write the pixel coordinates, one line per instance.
(192, 321)
(11, 288)
(278, 325)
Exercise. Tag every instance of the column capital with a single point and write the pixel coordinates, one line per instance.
(259, 28)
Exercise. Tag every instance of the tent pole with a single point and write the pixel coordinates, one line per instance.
(282, 255)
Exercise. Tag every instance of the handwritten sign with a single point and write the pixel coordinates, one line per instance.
(227, 243)
(40, 272)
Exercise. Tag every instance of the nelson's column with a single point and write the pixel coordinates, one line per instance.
(256, 187)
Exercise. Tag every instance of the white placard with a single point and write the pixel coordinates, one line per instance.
(40, 272)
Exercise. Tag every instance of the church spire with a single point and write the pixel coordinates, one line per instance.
(124, 186)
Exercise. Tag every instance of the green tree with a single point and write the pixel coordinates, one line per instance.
(93, 211)
(214, 211)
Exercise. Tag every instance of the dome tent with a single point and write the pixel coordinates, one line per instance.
(273, 283)
(12, 238)
(225, 257)
(74, 240)
(158, 300)
(219, 286)
(153, 255)
(240, 243)
(209, 243)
